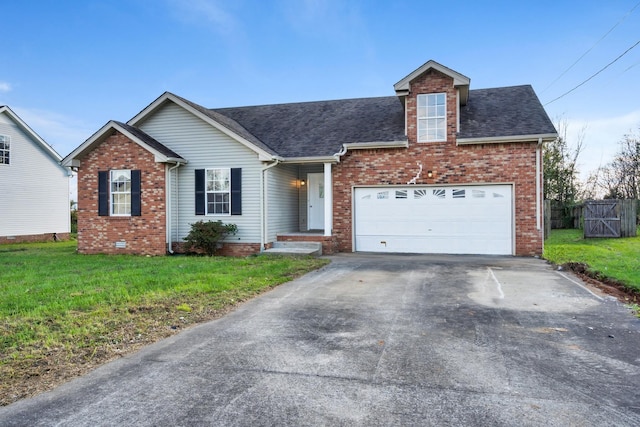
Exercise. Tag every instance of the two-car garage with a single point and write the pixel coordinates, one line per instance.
(472, 219)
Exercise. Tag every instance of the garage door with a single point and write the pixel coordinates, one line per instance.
(448, 220)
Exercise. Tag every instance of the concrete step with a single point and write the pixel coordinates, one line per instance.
(295, 248)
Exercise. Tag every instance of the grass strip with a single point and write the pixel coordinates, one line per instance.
(62, 313)
(616, 260)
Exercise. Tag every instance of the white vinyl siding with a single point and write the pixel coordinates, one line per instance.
(432, 117)
(205, 148)
(35, 190)
(282, 203)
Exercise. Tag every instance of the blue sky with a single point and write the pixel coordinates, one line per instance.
(69, 67)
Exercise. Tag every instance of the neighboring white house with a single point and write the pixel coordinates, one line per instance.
(35, 187)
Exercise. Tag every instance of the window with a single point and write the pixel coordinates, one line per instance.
(458, 193)
(439, 193)
(4, 149)
(432, 117)
(119, 193)
(419, 194)
(218, 191)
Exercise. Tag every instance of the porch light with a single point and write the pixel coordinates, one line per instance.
(429, 174)
(302, 182)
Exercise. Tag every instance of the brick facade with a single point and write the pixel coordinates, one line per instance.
(145, 234)
(512, 163)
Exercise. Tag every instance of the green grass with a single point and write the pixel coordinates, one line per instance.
(616, 259)
(61, 308)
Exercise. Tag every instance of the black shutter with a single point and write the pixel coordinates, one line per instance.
(200, 193)
(103, 193)
(136, 202)
(236, 191)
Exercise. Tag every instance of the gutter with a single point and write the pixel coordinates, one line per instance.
(263, 203)
(503, 139)
(369, 146)
(539, 178)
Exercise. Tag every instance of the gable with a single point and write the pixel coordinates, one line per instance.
(460, 81)
(161, 153)
(222, 123)
(14, 126)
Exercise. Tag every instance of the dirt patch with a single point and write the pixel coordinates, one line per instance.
(609, 286)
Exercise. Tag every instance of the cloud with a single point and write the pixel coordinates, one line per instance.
(207, 12)
(5, 87)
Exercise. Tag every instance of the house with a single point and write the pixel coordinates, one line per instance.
(437, 168)
(35, 187)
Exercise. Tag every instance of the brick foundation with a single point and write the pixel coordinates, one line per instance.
(228, 249)
(32, 238)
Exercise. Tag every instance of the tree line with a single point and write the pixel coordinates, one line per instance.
(618, 179)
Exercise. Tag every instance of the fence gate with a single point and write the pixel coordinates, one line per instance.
(602, 218)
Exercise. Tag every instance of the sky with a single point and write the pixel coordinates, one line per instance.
(68, 67)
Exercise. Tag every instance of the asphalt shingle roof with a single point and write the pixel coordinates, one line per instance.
(313, 129)
(310, 129)
(504, 111)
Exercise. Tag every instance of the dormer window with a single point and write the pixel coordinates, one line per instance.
(432, 117)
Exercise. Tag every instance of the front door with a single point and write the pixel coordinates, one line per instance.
(315, 201)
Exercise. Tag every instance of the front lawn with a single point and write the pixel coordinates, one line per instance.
(62, 313)
(610, 259)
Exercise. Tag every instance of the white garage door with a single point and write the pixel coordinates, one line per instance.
(447, 220)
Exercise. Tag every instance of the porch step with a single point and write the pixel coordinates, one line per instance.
(295, 248)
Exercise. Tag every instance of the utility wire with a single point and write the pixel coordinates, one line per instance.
(601, 70)
(590, 49)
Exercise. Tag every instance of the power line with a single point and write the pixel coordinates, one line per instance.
(601, 70)
(591, 48)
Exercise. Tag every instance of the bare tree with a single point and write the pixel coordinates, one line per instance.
(620, 179)
(560, 170)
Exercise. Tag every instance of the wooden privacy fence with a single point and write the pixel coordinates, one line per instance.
(623, 214)
(610, 218)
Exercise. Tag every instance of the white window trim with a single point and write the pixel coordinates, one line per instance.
(7, 140)
(207, 192)
(427, 117)
(111, 192)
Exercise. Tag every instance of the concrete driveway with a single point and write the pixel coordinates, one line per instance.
(379, 340)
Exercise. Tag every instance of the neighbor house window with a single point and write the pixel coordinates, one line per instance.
(4, 149)
(119, 193)
(218, 191)
(432, 117)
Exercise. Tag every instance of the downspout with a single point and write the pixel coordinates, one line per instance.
(538, 185)
(263, 204)
(170, 205)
